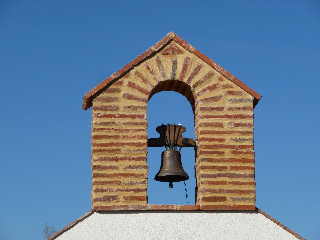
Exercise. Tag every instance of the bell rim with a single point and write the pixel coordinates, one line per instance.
(171, 178)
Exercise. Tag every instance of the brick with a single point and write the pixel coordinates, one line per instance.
(174, 68)
(217, 168)
(229, 160)
(228, 116)
(170, 85)
(127, 75)
(110, 198)
(135, 182)
(203, 80)
(135, 98)
(152, 72)
(188, 207)
(240, 100)
(210, 99)
(100, 137)
(241, 139)
(109, 123)
(161, 68)
(139, 88)
(237, 93)
(109, 115)
(232, 132)
(241, 125)
(211, 152)
(184, 68)
(212, 183)
(106, 99)
(209, 109)
(117, 130)
(133, 190)
(132, 107)
(211, 124)
(237, 152)
(135, 151)
(242, 183)
(162, 207)
(243, 199)
(144, 80)
(242, 168)
(228, 207)
(145, 124)
(227, 86)
(194, 73)
(120, 175)
(136, 167)
(135, 198)
(118, 83)
(244, 108)
(102, 167)
(171, 49)
(206, 139)
(112, 90)
(228, 191)
(94, 183)
(117, 159)
(208, 89)
(120, 208)
(111, 151)
(214, 199)
(119, 144)
(177, 86)
(227, 175)
(145, 137)
(219, 146)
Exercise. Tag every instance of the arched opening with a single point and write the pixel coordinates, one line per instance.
(170, 107)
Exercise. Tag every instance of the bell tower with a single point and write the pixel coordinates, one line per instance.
(223, 111)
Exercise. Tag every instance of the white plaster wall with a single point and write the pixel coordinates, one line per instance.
(178, 225)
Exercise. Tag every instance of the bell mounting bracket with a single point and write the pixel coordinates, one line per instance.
(171, 137)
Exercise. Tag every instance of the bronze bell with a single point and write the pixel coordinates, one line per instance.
(171, 168)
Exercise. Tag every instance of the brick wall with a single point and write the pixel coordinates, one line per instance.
(223, 128)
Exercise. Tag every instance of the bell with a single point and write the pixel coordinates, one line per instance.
(171, 168)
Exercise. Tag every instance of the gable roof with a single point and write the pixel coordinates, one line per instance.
(89, 96)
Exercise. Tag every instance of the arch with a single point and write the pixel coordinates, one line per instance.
(172, 114)
(176, 86)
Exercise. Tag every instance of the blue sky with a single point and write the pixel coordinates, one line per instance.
(53, 52)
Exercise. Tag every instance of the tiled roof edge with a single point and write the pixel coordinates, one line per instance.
(280, 224)
(88, 97)
(70, 225)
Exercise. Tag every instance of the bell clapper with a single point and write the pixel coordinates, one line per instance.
(170, 185)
